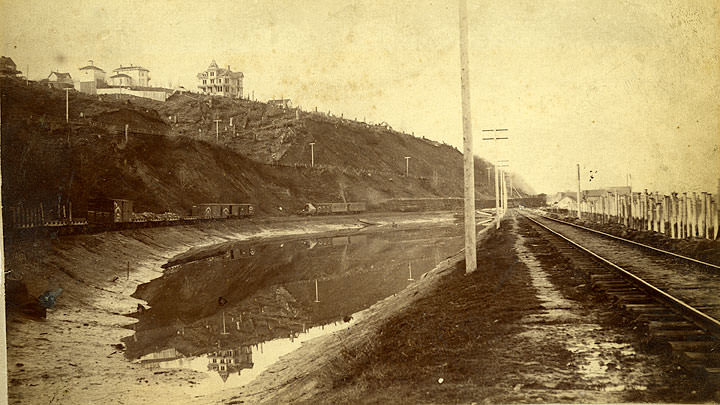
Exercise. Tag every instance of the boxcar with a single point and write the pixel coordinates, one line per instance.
(242, 210)
(338, 208)
(211, 210)
(109, 210)
(357, 207)
(222, 210)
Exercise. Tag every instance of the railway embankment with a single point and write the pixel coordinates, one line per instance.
(97, 274)
(525, 327)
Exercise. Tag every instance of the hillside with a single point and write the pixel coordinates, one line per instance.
(172, 160)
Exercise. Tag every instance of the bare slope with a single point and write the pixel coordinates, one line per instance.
(174, 158)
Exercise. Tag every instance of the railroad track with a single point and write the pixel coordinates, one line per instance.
(676, 297)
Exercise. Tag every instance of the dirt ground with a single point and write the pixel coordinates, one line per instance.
(524, 328)
(73, 357)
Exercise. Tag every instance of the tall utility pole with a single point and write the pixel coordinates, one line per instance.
(578, 191)
(217, 130)
(3, 338)
(407, 166)
(469, 164)
(495, 138)
(67, 105)
(312, 154)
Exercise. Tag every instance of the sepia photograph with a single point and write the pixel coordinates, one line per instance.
(360, 201)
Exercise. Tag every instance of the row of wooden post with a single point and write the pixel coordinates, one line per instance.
(679, 215)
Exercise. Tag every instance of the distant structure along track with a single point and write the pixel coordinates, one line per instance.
(675, 296)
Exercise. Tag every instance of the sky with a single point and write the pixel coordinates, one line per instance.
(627, 89)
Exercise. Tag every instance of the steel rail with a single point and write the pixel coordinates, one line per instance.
(700, 262)
(698, 317)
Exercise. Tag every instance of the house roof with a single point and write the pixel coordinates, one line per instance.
(61, 76)
(121, 68)
(91, 67)
(6, 60)
(120, 75)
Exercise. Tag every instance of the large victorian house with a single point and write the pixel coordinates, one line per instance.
(220, 82)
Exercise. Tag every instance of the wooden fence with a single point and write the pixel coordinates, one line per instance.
(678, 215)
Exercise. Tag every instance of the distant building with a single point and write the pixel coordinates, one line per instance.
(220, 82)
(130, 76)
(91, 78)
(59, 80)
(7, 67)
(281, 103)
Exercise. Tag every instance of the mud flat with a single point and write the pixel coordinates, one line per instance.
(72, 356)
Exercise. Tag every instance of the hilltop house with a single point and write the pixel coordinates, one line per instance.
(220, 82)
(7, 67)
(280, 103)
(59, 80)
(91, 78)
(130, 76)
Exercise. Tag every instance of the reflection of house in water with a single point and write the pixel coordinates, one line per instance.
(153, 360)
(230, 360)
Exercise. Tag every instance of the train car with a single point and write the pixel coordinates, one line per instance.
(338, 208)
(242, 210)
(222, 210)
(357, 207)
(109, 210)
(210, 210)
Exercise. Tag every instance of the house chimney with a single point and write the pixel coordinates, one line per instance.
(91, 62)
(228, 68)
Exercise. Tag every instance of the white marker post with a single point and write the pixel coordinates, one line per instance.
(217, 130)
(469, 169)
(578, 191)
(312, 154)
(317, 295)
(407, 166)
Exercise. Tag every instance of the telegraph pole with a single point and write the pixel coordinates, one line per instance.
(495, 138)
(407, 166)
(578, 191)
(217, 130)
(3, 337)
(469, 169)
(312, 154)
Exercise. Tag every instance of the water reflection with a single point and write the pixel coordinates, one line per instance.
(213, 309)
(230, 361)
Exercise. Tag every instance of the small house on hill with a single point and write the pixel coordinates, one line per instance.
(280, 103)
(8, 67)
(59, 80)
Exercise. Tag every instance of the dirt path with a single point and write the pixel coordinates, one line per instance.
(524, 328)
(70, 357)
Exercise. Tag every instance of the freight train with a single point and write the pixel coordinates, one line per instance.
(108, 214)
